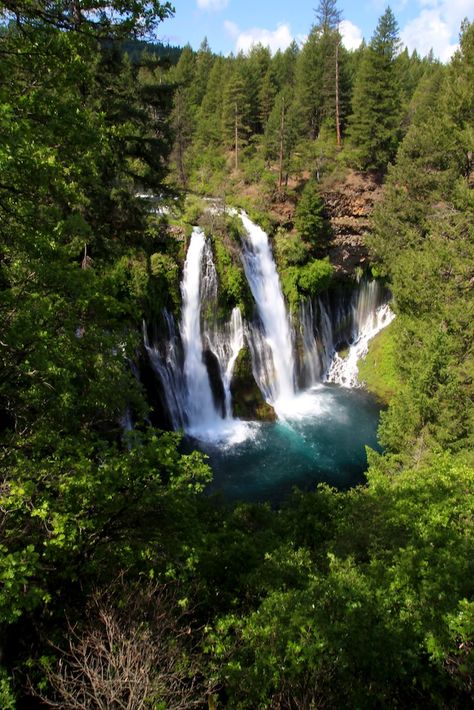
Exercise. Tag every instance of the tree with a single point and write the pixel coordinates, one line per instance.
(310, 219)
(321, 79)
(184, 109)
(374, 125)
(281, 133)
(104, 20)
(235, 118)
(329, 18)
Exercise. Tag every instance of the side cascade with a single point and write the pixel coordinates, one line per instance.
(335, 333)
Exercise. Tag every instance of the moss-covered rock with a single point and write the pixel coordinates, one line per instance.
(247, 400)
(234, 290)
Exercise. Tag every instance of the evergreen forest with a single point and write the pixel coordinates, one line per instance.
(123, 583)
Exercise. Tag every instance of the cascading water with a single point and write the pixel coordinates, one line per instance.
(323, 431)
(344, 371)
(225, 343)
(195, 365)
(275, 368)
(346, 323)
(166, 361)
(201, 414)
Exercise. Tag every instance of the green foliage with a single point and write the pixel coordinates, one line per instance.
(310, 220)
(315, 277)
(378, 369)
(290, 250)
(234, 289)
(352, 599)
(423, 236)
(301, 282)
(366, 603)
(82, 511)
(7, 697)
(374, 125)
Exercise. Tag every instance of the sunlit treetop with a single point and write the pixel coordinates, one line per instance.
(117, 18)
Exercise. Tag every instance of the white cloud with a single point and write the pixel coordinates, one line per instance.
(351, 34)
(429, 31)
(436, 26)
(281, 38)
(212, 4)
(231, 28)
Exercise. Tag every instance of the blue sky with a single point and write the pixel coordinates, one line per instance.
(231, 25)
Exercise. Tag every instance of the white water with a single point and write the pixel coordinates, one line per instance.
(167, 365)
(201, 413)
(275, 352)
(345, 371)
(202, 418)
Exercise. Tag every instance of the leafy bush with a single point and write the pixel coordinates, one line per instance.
(315, 277)
(299, 282)
(289, 249)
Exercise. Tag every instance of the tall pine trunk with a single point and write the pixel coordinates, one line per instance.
(236, 138)
(338, 120)
(282, 130)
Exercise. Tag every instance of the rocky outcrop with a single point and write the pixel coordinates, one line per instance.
(247, 400)
(349, 204)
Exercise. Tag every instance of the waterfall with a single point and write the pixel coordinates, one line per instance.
(344, 371)
(225, 343)
(348, 323)
(166, 361)
(274, 364)
(201, 413)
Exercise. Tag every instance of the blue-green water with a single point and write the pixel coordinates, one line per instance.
(322, 439)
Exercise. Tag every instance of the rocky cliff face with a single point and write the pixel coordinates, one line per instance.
(349, 205)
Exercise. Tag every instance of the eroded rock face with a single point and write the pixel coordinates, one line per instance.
(350, 204)
(247, 400)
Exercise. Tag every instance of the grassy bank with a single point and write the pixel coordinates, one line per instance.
(377, 370)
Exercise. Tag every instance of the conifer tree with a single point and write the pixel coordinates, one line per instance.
(203, 65)
(281, 133)
(329, 18)
(321, 78)
(375, 121)
(235, 108)
(182, 117)
(209, 116)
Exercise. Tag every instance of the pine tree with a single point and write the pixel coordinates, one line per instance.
(203, 66)
(235, 120)
(182, 117)
(376, 117)
(321, 79)
(329, 18)
(209, 116)
(281, 133)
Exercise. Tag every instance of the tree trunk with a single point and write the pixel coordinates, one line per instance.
(338, 120)
(282, 129)
(236, 140)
